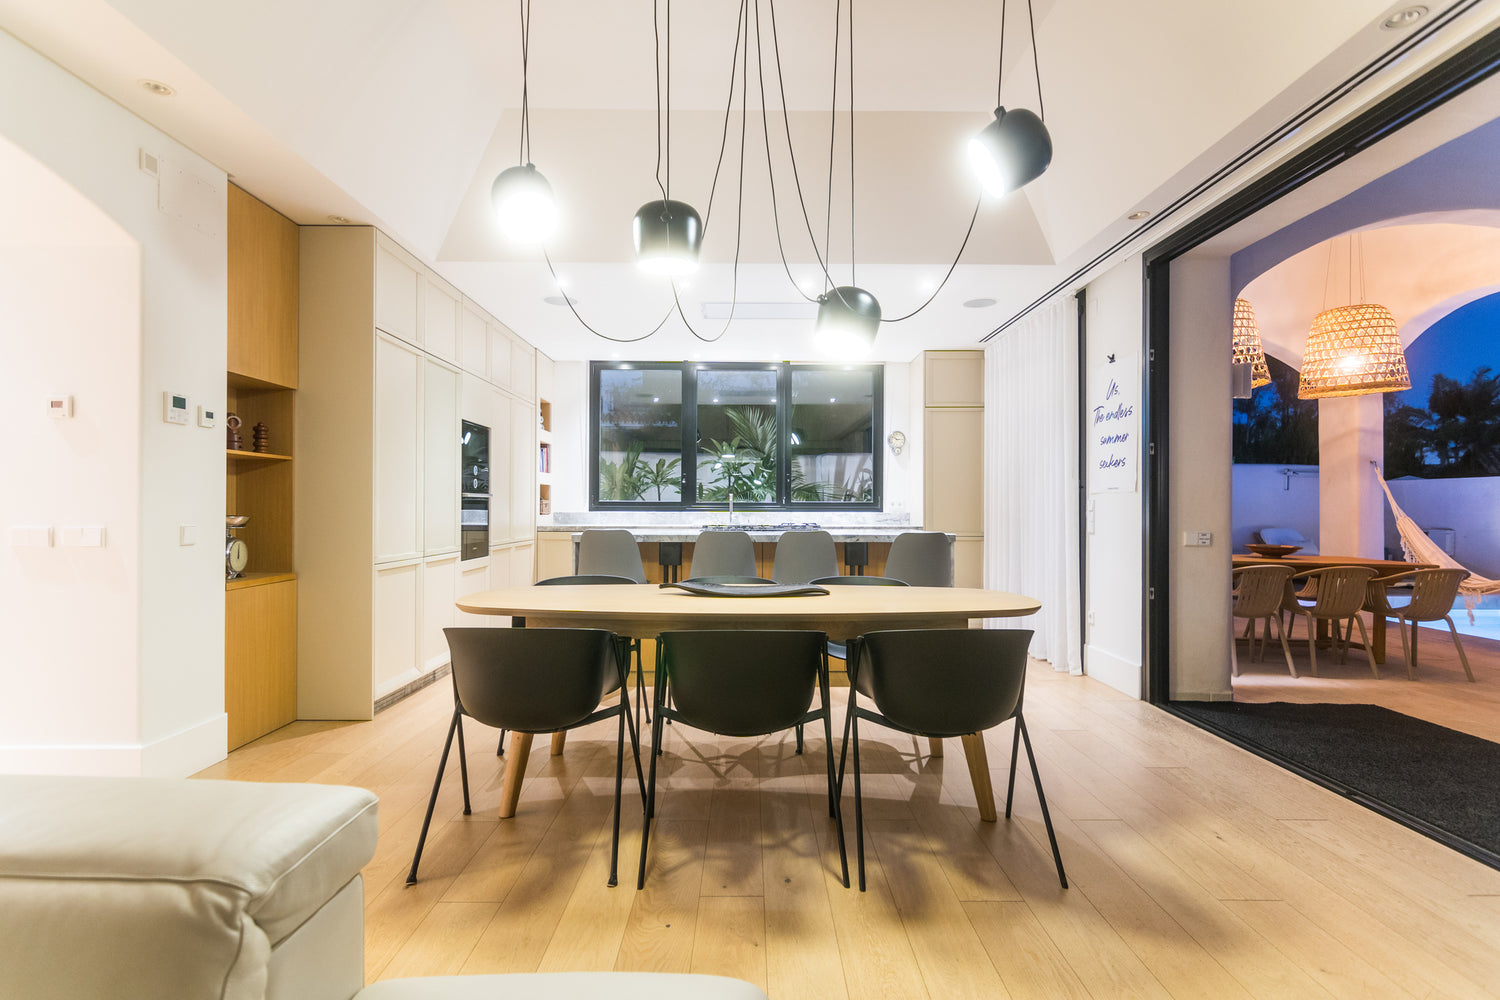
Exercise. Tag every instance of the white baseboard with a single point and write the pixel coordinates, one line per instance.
(1121, 674)
(176, 756)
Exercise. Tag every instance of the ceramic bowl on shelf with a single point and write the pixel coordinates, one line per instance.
(237, 520)
(1272, 551)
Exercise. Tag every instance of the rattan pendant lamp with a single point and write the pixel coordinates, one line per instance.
(1353, 350)
(1247, 346)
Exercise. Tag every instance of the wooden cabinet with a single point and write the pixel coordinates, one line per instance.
(393, 361)
(262, 292)
(953, 456)
(260, 657)
(260, 606)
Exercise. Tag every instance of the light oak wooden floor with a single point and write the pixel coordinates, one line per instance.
(1198, 870)
(1441, 693)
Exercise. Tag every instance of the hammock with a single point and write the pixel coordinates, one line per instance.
(1419, 548)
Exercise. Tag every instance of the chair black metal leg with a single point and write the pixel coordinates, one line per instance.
(463, 763)
(835, 808)
(844, 745)
(799, 737)
(1010, 789)
(859, 803)
(635, 743)
(1036, 778)
(500, 750)
(640, 879)
(614, 843)
(411, 878)
(640, 682)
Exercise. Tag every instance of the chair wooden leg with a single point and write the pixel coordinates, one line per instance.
(1411, 668)
(1374, 667)
(1234, 656)
(515, 773)
(935, 746)
(559, 740)
(1312, 644)
(979, 774)
(1281, 632)
(1453, 630)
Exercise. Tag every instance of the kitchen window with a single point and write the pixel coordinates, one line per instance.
(674, 436)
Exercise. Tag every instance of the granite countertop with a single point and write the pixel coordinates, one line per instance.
(769, 533)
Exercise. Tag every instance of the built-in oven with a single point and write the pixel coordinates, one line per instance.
(474, 492)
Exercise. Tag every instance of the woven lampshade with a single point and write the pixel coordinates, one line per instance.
(1351, 351)
(1247, 349)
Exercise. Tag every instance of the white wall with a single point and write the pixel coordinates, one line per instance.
(1265, 497)
(1468, 506)
(142, 647)
(1112, 614)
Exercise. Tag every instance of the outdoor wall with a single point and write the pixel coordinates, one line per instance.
(1112, 612)
(1265, 496)
(1199, 481)
(136, 666)
(1468, 506)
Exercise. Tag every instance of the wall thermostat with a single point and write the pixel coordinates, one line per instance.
(174, 408)
(205, 417)
(60, 407)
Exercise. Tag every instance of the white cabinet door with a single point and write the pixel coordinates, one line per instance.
(440, 320)
(474, 577)
(523, 469)
(522, 565)
(398, 419)
(440, 458)
(499, 568)
(397, 285)
(523, 369)
(501, 466)
(500, 358)
(396, 612)
(473, 342)
(439, 589)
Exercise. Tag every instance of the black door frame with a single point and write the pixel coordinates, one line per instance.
(1470, 66)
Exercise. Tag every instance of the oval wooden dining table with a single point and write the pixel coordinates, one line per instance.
(644, 611)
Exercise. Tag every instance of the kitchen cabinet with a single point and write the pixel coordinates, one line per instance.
(523, 369)
(393, 360)
(440, 458)
(953, 456)
(440, 312)
(260, 658)
(398, 456)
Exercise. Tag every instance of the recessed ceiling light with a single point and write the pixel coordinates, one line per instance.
(979, 303)
(1138, 216)
(1404, 18)
(340, 219)
(559, 300)
(156, 87)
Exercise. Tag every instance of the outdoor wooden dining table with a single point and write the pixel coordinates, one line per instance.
(645, 611)
(1302, 564)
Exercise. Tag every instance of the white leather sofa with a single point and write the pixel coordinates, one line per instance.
(155, 889)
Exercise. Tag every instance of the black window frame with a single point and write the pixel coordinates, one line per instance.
(689, 427)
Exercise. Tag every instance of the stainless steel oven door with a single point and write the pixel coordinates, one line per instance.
(474, 525)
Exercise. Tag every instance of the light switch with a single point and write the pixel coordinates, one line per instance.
(60, 407)
(1197, 538)
(86, 536)
(31, 536)
(206, 417)
(187, 534)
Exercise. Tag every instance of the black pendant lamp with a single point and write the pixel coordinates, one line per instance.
(668, 235)
(1016, 148)
(848, 319)
(1011, 151)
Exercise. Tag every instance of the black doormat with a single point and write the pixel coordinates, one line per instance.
(1436, 780)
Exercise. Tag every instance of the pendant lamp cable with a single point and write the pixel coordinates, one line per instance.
(833, 124)
(1000, 72)
(1036, 64)
(525, 10)
(823, 264)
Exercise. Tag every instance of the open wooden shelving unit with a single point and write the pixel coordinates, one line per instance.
(260, 605)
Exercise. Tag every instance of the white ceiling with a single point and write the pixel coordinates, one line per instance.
(398, 113)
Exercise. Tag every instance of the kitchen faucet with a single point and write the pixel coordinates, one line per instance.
(731, 508)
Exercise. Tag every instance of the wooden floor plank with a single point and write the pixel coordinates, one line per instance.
(1197, 869)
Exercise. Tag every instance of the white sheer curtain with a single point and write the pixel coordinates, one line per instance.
(1031, 470)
